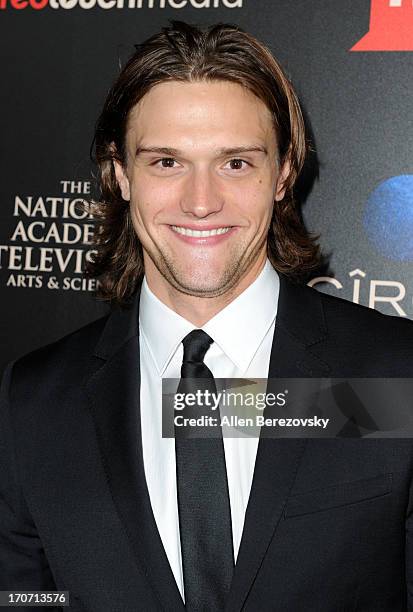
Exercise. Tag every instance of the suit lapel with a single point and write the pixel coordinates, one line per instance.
(300, 326)
(114, 395)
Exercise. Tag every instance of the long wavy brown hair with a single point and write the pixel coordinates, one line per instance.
(183, 52)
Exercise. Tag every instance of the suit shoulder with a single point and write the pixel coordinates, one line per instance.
(359, 319)
(320, 314)
(70, 353)
(364, 342)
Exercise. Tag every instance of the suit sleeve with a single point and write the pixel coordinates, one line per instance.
(23, 564)
(409, 550)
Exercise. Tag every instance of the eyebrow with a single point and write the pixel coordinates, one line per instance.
(221, 152)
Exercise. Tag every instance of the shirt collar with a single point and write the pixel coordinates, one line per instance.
(238, 329)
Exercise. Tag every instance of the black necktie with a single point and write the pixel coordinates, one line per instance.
(203, 500)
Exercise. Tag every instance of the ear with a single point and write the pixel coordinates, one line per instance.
(122, 179)
(282, 177)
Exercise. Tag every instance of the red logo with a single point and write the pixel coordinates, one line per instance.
(391, 27)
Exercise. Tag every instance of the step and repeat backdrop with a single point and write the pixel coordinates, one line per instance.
(351, 62)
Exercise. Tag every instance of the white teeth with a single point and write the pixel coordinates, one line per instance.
(200, 233)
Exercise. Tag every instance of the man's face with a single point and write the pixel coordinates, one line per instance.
(202, 175)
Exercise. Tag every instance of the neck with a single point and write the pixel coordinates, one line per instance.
(199, 310)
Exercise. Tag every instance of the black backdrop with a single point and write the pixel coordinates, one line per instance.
(58, 61)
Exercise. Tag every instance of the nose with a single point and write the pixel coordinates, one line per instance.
(202, 196)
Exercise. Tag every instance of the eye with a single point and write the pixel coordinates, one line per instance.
(237, 164)
(165, 162)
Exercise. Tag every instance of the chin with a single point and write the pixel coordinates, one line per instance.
(199, 277)
(205, 285)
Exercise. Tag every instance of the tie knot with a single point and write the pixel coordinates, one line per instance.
(196, 344)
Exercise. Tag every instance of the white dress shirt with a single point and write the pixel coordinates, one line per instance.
(242, 334)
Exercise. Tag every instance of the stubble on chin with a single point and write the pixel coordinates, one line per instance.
(197, 283)
(194, 281)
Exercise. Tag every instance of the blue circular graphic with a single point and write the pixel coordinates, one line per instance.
(388, 218)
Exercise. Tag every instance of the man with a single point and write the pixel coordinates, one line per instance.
(199, 145)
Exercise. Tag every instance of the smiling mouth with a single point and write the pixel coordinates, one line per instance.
(185, 231)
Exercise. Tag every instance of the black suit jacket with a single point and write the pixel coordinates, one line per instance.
(328, 525)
